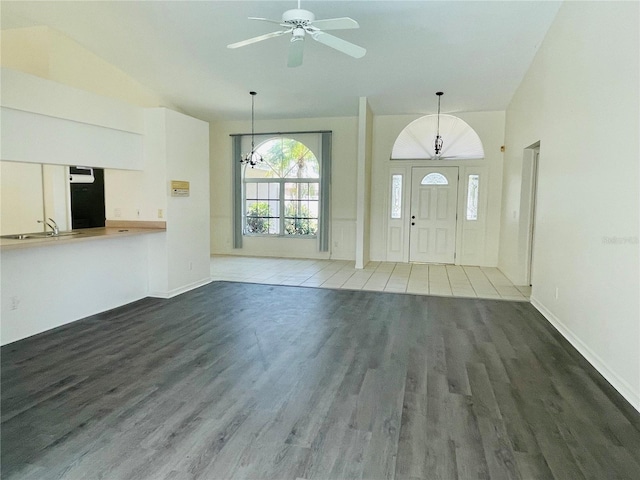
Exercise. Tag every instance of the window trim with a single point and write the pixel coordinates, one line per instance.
(324, 222)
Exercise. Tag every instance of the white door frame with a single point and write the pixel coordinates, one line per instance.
(397, 229)
(531, 161)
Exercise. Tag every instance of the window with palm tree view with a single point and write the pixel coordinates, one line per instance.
(282, 193)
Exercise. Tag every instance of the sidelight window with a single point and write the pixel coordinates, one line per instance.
(396, 196)
(472, 197)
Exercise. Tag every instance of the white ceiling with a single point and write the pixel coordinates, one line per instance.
(476, 52)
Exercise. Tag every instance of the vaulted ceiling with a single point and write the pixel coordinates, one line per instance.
(476, 52)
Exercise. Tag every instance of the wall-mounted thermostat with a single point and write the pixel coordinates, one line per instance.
(179, 188)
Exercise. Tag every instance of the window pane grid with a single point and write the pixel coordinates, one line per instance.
(282, 197)
(262, 208)
(301, 208)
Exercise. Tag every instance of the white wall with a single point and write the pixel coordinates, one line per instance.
(49, 286)
(28, 93)
(343, 190)
(176, 148)
(141, 195)
(47, 53)
(188, 230)
(580, 99)
(490, 128)
(21, 203)
(47, 122)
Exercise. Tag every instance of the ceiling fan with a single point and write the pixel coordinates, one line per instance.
(300, 22)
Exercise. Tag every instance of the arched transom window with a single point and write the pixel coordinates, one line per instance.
(416, 141)
(434, 179)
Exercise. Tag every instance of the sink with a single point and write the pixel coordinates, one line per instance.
(26, 236)
(35, 235)
(50, 234)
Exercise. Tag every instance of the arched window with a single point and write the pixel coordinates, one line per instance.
(416, 141)
(434, 179)
(282, 193)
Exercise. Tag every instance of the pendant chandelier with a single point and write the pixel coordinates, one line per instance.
(438, 143)
(252, 158)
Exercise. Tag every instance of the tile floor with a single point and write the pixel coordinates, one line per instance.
(420, 279)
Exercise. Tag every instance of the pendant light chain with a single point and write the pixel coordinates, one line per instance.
(438, 142)
(252, 158)
(253, 105)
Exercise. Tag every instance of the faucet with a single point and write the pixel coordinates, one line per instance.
(54, 228)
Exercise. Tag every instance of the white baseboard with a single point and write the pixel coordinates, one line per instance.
(178, 291)
(621, 385)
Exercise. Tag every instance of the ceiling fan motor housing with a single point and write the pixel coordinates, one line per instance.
(298, 17)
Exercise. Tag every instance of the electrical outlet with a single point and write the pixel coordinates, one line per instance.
(138, 212)
(117, 213)
(160, 213)
(190, 265)
(557, 291)
(15, 301)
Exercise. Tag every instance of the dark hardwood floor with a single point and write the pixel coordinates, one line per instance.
(252, 381)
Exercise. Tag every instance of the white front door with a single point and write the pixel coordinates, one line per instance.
(434, 201)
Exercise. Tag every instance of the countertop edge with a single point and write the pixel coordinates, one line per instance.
(154, 224)
(84, 235)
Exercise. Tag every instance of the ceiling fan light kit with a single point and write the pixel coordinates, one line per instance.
(298, 23)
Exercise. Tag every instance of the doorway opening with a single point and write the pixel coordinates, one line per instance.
(530, 163)
(87, 197)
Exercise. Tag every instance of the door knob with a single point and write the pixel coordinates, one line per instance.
(413, 217)
(413, 223)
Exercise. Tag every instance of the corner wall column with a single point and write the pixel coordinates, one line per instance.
(363, 199)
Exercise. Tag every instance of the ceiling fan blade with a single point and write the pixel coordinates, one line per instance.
(277, 22)
(257, 39)
(342, 23)
(296, 49)
(339, 44)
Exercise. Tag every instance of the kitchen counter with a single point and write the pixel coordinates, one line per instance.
(111, 231)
